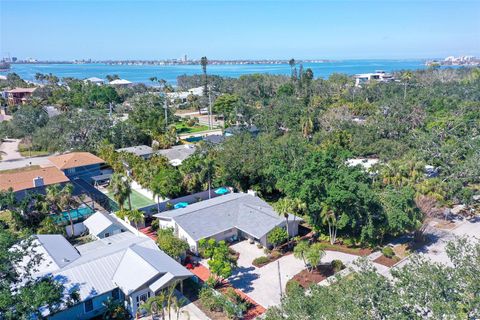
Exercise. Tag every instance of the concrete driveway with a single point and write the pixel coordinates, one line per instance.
(263, 284)
(9, 150)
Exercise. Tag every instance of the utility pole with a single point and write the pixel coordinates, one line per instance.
(279, 280)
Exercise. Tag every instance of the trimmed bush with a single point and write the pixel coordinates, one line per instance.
(275, 254)
(388, 252)
(337, 265)
(292, 286)
(260, 260)
(155, 225)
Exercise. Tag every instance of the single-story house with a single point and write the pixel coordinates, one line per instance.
(229, 217)
(121, 83)
(177, 154)
(30, 179)
(102, 225)
(78, 165)
(94, 80)
(141, 151)
(124, 267)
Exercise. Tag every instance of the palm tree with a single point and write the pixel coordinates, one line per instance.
(284, 207)
(204, 63)
(328, 217)
(60, 200)
(314, 255)
(135, 216)
(292, 66)
(406, 77)
(300, 250)
(121, 189)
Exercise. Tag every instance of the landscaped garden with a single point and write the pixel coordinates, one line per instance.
(189, 126)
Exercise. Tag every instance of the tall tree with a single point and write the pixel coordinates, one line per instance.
(120, 188)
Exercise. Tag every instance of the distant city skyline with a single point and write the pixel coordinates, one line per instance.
(244, 29)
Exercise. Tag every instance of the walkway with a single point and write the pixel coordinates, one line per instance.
(149, 233)
(256, 310)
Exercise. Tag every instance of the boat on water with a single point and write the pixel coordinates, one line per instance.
(4, 65)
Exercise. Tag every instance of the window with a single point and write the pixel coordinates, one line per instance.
(88, 304)
(142, 298)
(115, 294)
(107, 234)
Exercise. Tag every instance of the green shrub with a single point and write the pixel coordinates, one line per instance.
(337, 265)
(211, 282)
(388, 252)
(260, 260)
(324, 237)
(275, 254)
(292, 286)
(155, 225)
(349, 242)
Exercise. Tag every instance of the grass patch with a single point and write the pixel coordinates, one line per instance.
(182, 127)
(138, 200)
(25, 152)
(29, 168)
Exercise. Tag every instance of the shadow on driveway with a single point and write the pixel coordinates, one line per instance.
(243, 277)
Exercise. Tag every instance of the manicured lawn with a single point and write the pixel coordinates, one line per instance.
(183, 128)
(138, 200)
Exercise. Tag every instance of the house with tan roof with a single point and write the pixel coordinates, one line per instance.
(78, 165)
(19, 95)
(29, 179)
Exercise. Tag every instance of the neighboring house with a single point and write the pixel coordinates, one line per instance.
(121, 83)
(177, 154)
(123, 267)
(19, 96)
(31, 179)
(180, 97)
(51, 111)
(102, 225)
(76, 165)
(380, 76)
(94, 80)
(141, 151)
(233, 130)
(232, 216)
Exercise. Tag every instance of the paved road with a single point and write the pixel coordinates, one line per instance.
(20, 163)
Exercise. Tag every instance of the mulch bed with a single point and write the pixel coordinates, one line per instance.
(387, 262)
(306, 278)
(351, 250)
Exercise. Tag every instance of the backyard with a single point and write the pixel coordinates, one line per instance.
(183, 128)
(138, 200)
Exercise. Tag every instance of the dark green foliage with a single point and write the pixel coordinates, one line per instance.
(388, 252)
(442, 291)
(337, 265)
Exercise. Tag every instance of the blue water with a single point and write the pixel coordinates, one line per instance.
(80, 213)
(141, 74)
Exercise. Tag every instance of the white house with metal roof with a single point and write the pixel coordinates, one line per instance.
(102, 225)
(229, 217)
(123, 266)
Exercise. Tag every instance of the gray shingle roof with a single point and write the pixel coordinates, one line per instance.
(240, 210)
(177, 154)
(138, 150)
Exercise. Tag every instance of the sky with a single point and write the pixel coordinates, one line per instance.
(242, 29)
